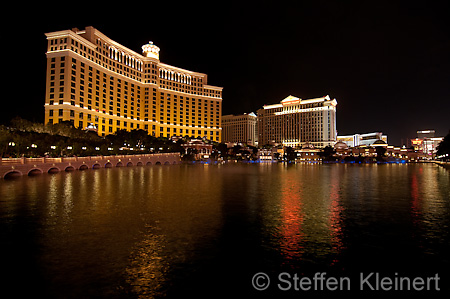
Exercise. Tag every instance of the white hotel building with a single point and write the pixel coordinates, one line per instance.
(294, 122)
(362, 139)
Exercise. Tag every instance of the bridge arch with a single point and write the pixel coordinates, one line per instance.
(96, 166)
(158, 163)
(35, 171)
(139, 163)
(69, 168)
(129, 164)
(83, 167)
(53, 169)
(108, 165)
(149, 163)
(119, 164)
(167, 163)
(12, 174)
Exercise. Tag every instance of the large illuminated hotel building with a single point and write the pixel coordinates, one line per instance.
(295, 122)
(93, 81)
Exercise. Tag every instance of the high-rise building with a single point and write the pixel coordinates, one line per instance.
(362, 139)
(426, 142)
(294, 122)
(240, 128)
(95, 82)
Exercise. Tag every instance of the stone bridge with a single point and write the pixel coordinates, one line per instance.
(13, 167)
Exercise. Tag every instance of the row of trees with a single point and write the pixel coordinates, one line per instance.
(220, 150)
(30, 139)
(25, 138)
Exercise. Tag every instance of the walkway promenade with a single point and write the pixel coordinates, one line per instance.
(13, 167)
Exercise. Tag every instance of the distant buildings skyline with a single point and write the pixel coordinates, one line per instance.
(426, 142)
(94, 82)
(293, 122)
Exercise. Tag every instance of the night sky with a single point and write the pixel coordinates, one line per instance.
(386, 63)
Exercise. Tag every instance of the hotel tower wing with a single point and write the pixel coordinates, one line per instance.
(295, 122)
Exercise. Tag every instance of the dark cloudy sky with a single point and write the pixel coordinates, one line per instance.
(387, 63)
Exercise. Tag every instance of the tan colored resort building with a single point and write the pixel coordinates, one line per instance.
(240, 128)
(294, 122)
(95, 82)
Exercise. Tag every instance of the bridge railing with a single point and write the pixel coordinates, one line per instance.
(23, 160)
(8, 161)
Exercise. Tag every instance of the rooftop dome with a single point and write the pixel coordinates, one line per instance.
(340, 145)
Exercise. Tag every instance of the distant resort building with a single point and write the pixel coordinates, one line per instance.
(294, 122)
(370, 152)
(426, 143)
(362, 139)
(240, 129)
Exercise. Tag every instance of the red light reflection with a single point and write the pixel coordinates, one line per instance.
(335, 221)
(415, 204)
(292, 219)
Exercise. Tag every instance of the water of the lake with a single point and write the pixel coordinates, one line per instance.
(206, 230)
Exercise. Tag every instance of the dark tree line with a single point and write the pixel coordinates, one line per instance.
(29, 139)
(443, 148)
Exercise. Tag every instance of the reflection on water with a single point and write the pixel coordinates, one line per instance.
(292, 241)
(164, 230)
(186, 218)
(309, 219)
(147, 269)
(336, 211)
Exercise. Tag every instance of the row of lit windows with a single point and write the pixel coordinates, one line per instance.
(102, 58)
(169, 116)
(106, 87)
(110, 129)
(71, 113)
(188, 89)
(305, 126)
(98, 57)
(116, 102)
